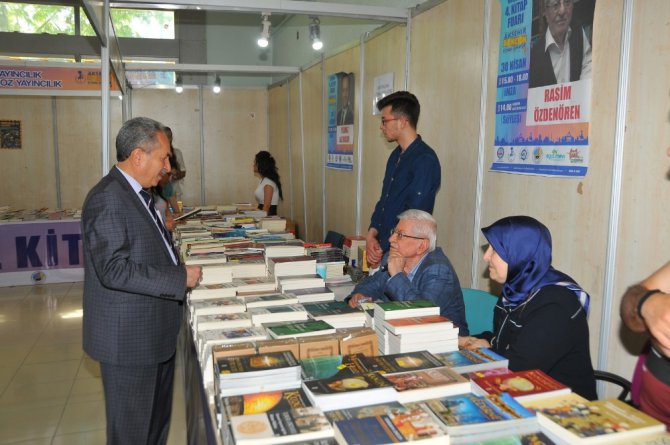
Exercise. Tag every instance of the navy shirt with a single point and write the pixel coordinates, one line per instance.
(411, 181)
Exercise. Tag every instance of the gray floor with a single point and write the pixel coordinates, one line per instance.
(50, 391)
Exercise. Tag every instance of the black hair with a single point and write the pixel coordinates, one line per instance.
(403, 103)
(267, 168)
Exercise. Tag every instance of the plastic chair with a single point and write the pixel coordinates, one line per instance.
(479, 310)
(623, 383)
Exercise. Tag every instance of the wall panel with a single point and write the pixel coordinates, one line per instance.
(445, 66)
(296, 157)
(279, 139)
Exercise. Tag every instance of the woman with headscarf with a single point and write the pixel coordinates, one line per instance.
(269, 192)
(540, 320)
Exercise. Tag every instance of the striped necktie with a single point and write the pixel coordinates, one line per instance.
(152, 208)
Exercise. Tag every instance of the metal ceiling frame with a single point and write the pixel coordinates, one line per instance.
(279, 6)
(207, 68)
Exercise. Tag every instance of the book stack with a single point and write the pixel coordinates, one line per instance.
(464, 361)
(341, 286)
(272, 223)
(254, 284)
(348, 392)
(291, 266)
(434, 333)
(336, 313)
(209, 291)
(230, 305)
(399, 309)
(298, 329)
(216, 273)
(425, 384)
(575, 420)
(312, 294)
(247, 266)
(268, 300)
(468, 416)
(329, 260)
(350, 249)
(285, 248)
(295, 425)
(522, 385)
(221, 321)
(398, 425)
(307, 281)
(275, 314)
(207, 339)
(205, 258)
(328, 366)
(272, 371)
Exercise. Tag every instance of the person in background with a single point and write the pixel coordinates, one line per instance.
(178, 171)
(412, 175)
(540, 320)
(645, 308)
(415, 269)
(345, 115)
(269, 191)
(134, 288)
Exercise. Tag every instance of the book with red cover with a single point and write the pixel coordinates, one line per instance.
(401, 326)
(522, 385)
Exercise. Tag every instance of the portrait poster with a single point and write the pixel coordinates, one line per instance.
(543, 89)
(10, 134)
(341, 121)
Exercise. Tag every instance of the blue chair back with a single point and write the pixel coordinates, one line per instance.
(479, 310)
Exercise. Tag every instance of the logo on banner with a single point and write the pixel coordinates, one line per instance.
(524, 154)
(575, 156)
(537, 155)
(500, 153)
(511, 155)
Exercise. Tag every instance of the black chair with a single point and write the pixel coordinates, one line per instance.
(624, 384)
(335, 239)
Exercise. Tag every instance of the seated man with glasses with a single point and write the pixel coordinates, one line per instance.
(414, 269)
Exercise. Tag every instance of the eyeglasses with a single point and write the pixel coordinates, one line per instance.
(401, 235)
(384, 121)
(556, 4)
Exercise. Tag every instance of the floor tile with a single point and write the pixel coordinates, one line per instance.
(29, 423)
(85, 438)
(88, 369)
(87, 390)
(47, 372)
(35, 394)
(82, 416)
(55, 353)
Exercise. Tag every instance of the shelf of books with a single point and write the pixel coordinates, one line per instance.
(274, 356)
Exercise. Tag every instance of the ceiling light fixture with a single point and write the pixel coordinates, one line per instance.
(217, 85)
(264, 39)
(315, 33)
(178, 87)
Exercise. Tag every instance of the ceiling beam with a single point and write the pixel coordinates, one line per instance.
(204, 68)
(281, 6)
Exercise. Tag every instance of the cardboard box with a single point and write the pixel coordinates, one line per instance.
(278, 345)
(358, 340)
(318, 346)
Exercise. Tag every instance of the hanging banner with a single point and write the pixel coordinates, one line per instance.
(544, 87)
(51, 80)
(341, 121)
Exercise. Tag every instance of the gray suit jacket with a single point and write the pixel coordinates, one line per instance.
(133, 292)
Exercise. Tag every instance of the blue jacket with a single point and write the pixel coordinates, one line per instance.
(411, 181)
(435, 280)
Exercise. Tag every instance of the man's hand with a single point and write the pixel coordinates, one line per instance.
(396, 263)
(472, 343)
(193, 276)
(356, 300)
(373, 250)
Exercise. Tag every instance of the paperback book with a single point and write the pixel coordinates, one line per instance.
(331, 366)
(522, 385)
(273, 428)
(273, 314)
(393, 363)
(465, 360)
(348, 392)
(263, 402)
(299, 329)
(425, 384)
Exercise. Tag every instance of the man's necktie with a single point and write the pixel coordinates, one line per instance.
(152, 208)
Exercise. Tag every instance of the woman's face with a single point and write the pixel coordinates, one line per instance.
(497, 267)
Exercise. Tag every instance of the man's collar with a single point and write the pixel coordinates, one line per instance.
(132, 181)
(549, 39)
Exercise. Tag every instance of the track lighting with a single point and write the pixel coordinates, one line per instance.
(178, 87)
(315, 33)
(264, 39)
(217, 85)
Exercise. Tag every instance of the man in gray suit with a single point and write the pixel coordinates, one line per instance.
(134, 288)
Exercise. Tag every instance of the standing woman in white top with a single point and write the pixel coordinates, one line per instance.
(268, 193)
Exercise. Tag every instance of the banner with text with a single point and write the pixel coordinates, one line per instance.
(544, 87)
(52, 79)
(341, 121)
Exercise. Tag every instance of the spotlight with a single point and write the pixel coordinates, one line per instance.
(178, 87)
(315, 33)
(217, 85)
(264, 39)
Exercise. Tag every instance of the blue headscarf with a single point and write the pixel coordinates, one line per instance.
(524, 244)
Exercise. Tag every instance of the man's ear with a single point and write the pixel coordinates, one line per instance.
(136, 156)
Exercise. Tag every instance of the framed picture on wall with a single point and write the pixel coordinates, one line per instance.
(10, 134)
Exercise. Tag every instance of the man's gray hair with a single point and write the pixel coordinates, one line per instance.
(425, 225)
(139, 132)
